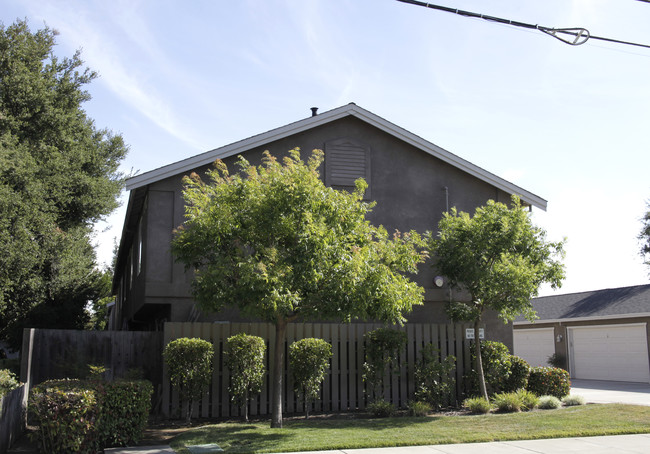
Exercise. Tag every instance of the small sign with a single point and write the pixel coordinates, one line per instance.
(469, 333)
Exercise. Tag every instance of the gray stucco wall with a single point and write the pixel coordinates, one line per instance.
(411, 189)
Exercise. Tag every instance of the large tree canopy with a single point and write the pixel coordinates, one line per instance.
(500, 258)
(275, 242)
(58, 176)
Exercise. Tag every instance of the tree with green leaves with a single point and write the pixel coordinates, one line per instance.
(58, 176)
(309, 360)
(274, 241)
(244, 357)
(500, 258)
(644, 237)
(189, 365)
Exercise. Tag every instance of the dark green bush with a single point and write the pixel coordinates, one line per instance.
(189, 364)
(418, 408)
(68, 415)
(496, 368)
(125, 411)
(8, 381)
(309, 360)
(244, 358)
(549, 381)
(383, 346)
(519, 372)
(85, 416)
(433, 383)
(381, 409)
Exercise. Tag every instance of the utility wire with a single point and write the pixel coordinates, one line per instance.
(573, 36)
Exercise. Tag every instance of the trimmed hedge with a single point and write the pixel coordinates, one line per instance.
(549, 381)
(85, 416)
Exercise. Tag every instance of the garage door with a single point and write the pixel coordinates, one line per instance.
(609, 352)
(534, 345)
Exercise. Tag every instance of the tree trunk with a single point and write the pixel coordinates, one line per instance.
(479, 360)
(246, 405)
(190, 410)
(278, 355)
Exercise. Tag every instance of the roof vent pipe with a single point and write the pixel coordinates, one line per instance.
(314, 111)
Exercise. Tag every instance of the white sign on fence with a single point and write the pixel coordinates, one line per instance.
(469, 333)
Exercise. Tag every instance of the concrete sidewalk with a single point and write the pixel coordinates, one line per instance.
(625, 444)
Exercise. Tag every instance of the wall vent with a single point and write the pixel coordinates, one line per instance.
(346, 160)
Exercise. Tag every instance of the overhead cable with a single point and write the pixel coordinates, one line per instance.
(573, 36)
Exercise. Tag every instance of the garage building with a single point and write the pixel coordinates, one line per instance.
(598, 335)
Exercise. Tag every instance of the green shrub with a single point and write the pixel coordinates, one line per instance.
(549, 381)
(418, 408)
(125, 411)
(97, 371)
(68, 415)
(381, 409)
(8, 381)
(496, 368)
(382, 349)
(86, 416)
(528, 400)
(309, 360)
(507, 402)
(519, 372)
(571, 401)
(244, 357)
(549, 403)
(477, 405)
(189, 363)
(557, 360)
(433, 383)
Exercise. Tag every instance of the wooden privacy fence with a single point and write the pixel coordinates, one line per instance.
(343, 388)
(12, 417)
(56, 353)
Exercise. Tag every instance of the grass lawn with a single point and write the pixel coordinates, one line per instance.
(348, 431)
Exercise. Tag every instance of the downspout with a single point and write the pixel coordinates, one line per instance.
(446, 189)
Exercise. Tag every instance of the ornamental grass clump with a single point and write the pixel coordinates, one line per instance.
(573, 400)
(507, 402)
(528, 400)
(549, 403)
(478, 405)
(418, 408)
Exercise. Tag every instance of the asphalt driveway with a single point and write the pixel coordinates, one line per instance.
(603, 392)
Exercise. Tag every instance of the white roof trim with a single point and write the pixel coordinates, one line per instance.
(584, 319)
(324, 118)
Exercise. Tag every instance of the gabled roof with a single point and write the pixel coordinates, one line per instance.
(352, 110)
(623, 302)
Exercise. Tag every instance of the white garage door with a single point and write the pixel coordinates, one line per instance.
(534, 345)
(609, 352)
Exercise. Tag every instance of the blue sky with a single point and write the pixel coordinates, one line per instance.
(570, 124)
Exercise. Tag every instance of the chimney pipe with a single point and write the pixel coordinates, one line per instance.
(314, 111)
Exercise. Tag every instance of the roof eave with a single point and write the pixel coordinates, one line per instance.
(324, 118)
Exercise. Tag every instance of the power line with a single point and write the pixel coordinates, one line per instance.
(573, 36)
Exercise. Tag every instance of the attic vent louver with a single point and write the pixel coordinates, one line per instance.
(346, 160)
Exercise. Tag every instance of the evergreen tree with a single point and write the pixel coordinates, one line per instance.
(58, 176)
